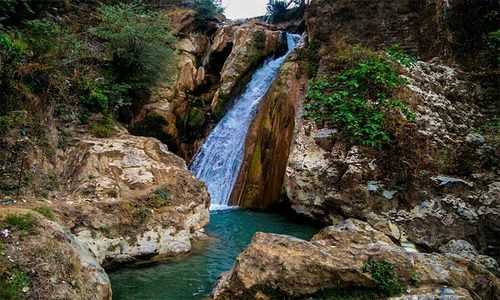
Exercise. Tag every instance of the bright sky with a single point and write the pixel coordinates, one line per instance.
(239, 9)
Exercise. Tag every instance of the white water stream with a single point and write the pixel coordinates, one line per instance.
(219, 159)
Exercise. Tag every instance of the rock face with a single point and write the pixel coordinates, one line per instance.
(212, 70)
(434, 180)
(131, 198)
(270, 136)
(46, 261)
(251, 44)
(427, 28)
(277, 266)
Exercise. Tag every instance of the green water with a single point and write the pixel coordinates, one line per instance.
(194, 276)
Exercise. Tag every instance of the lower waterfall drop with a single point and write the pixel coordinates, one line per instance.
(219, 159)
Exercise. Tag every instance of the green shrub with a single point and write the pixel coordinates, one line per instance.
(395, 53)
(13, 54)
(386, 278)
(104, 128)
(139, 47)
(16, 11)
(143, 214)
(12, 282)
(415, 279)
(14, 118)
(281, 10)
(103, 97)
(51, 44)
(206, 10)
(355, 98)
(113, 193)
(46, 211)
(11, 50)
(276, 9)
(21, 222)
(259, 38)
(160, 197)
(493, 43)
(311, 58)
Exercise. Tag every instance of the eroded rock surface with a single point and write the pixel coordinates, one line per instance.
(251, 43)
(282, 266)
(212, 70)
(433, 181)
(270, 136)
(46, 260)
(131, 198)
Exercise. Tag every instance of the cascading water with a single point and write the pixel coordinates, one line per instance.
(219, 159)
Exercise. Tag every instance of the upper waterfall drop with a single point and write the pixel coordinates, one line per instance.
(219, 159)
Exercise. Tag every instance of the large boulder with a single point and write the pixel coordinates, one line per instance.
(39, 259)
(339, 259)
(129, 197)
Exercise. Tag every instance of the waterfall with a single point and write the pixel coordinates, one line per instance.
(219, 159)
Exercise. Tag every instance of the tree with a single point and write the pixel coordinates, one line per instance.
(139, 47)
(278, 9)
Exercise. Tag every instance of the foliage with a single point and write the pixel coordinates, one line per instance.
(104, 128)
(14, 118)
(259, 37)
(102, 97)
(15, 11)
(384, 275)
(277, 8)
(207, 10)
(11, 50)
(355, 98)
(415, 279)
(21, 221)
(160, 197)
(12, 56)
(113, 193)
(138, 46)
(395, 53)
(282, 10)
(493, 43)
(46, 211)
(143, 213)
(51, 43)
(311, 58)
(37, 54)
(12, 282)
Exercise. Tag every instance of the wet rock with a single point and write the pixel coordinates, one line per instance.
(282, 266)
(444, 180)
(251, 44)
(475, 138)
(260, 182)
(211, 70)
